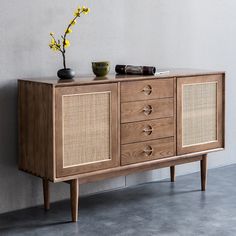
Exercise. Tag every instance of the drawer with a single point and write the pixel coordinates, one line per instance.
(146, 151)
(147, 89)
(147, 130)
(147, 110)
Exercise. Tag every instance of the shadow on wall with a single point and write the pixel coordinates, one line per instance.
(8, 124)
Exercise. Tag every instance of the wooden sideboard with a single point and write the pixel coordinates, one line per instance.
(90, 129)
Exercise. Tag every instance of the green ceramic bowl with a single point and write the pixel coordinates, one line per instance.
(101, 68)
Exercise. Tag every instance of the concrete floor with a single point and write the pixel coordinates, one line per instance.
(158, 208)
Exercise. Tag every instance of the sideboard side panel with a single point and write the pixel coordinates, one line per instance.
(35, 112)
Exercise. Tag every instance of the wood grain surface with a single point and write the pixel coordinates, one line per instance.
(147, 130)
(147, 110)
(146, 151)
(36, 128)
(146, 89)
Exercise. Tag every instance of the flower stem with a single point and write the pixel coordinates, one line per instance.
(64, 60)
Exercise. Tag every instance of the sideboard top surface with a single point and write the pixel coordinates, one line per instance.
(90, 79)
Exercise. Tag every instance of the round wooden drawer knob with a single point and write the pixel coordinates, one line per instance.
(148, 130)
(148, 150)
(147, 90)
(147, 110)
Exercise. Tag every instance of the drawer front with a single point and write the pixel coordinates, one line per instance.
(147, 89)
(146, 151)
(147, 110)
(147, 130)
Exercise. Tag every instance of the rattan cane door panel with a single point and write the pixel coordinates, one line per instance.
(200, 113)
(86, 128)
(90, 142)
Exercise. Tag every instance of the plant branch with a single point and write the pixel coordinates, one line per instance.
(56, 45)
(64, 37)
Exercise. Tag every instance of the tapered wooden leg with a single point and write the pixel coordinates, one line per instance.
(46, 194)
(172, 173)
(74, 198)
(204, 172)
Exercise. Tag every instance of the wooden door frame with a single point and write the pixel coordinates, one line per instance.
(219, 143)
(83, 168)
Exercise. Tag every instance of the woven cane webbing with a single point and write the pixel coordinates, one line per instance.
(86, 128)
(199, 113)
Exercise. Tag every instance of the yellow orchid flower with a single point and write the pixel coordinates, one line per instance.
(53, 41)
(77, 13)
(73, 22)
(85, 10)
(55, 49)
(54, 45)
(66, 43)
(68, 31)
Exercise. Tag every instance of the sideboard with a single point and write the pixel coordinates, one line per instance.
(91, 129)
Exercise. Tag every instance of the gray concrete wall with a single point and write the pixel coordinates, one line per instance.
(165, 33)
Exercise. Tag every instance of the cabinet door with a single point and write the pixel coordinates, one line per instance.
(86, 128)
(200, 113)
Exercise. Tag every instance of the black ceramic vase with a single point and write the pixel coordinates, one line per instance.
(66, 74)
